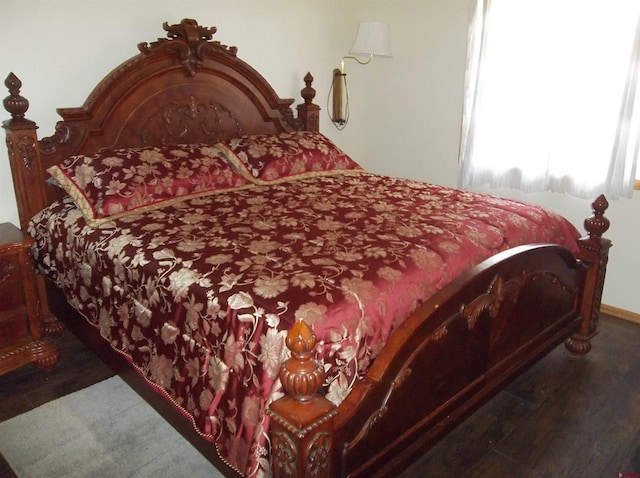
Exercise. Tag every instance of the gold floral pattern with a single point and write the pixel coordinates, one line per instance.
(199, 294)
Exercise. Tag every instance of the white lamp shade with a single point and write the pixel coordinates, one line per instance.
(372, 39)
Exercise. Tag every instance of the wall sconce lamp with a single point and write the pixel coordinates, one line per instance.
(372, 40)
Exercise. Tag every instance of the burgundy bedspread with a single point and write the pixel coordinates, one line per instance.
(199, 295)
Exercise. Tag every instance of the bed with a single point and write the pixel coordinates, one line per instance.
(290, 313)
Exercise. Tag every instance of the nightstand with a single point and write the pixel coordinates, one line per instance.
(22, 337)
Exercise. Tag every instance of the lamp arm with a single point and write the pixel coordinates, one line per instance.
(365, 62)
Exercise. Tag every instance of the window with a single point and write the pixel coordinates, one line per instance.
(550, 98)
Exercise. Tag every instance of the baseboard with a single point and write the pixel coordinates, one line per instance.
(620, 313)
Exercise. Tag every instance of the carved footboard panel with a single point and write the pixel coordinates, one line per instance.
(480, 332)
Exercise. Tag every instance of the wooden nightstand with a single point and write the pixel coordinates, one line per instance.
(22, 337)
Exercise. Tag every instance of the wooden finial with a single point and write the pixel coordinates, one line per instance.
(308, 92)
(189, 42)
(14, 103)
(301, 375)
(598, 224)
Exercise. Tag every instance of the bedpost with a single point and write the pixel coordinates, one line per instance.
(28, 177)
(308, 112)
(594, 254)
(22, 146)
(302, 420)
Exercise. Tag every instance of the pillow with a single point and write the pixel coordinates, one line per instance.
(270, 157)
(116, 182)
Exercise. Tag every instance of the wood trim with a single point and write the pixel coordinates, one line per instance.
(637, 185)
(620, 313)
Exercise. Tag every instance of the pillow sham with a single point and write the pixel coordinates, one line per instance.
(270, 157)
(115, 182)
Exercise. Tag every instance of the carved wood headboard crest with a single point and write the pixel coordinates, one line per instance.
(191, 41)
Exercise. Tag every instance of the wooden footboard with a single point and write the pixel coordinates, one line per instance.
(441, 364)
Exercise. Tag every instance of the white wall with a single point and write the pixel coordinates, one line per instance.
(405, 111)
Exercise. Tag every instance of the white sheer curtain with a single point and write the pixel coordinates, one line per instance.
(551, 100)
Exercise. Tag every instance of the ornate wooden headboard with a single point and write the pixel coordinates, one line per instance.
(185, 88)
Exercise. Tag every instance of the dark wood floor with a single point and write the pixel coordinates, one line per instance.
(565, 417)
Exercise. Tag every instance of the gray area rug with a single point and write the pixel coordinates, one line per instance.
(105, 430)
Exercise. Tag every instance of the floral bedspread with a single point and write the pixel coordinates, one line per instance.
(199, 295)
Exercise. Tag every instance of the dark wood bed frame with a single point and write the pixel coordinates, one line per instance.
(449, 357)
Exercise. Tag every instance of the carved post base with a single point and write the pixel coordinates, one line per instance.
(301, 449)
(579, 344)
(45, 354)
(41, 352)
(302, 420)
(52, 327)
